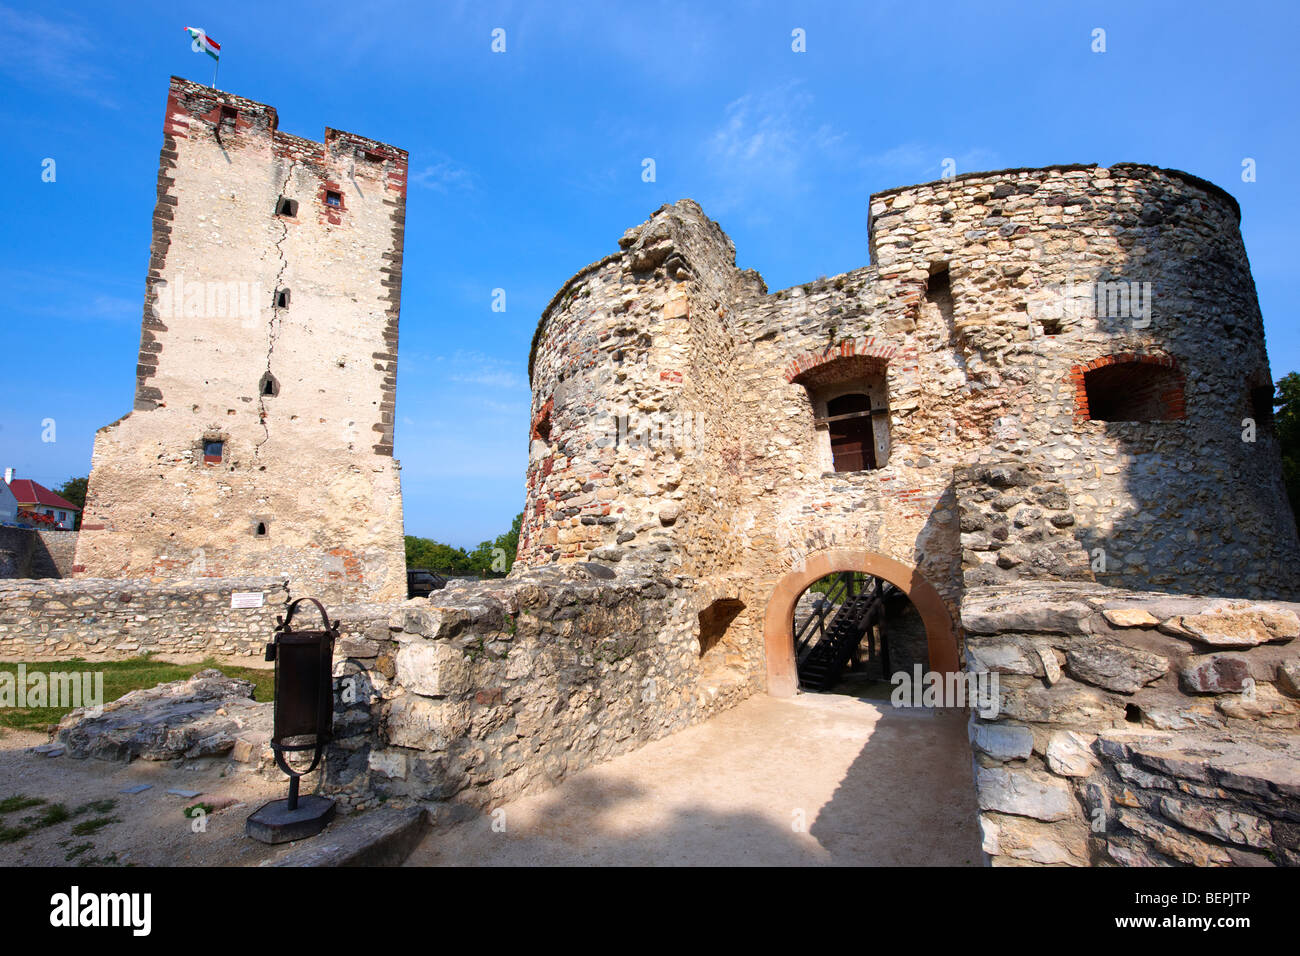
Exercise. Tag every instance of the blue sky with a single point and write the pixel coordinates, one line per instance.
(526, 166)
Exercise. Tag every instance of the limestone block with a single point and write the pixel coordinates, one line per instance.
(1024, 793)
(1069, 754)
(1215, 674)
(432, 669)
(1002, 741)
(1115, 666)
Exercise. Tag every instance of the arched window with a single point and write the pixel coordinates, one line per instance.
(853, 443)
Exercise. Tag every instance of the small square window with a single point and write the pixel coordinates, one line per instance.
(333, 198)
(229, 115)
(286, 207)
(282, 299)
(212, 452)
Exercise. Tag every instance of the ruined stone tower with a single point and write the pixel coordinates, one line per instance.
(1053, 369)
(261, 439)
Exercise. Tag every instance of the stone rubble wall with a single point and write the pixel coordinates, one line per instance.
(492, 689)
(113, 619)
(987, 370)
(1135, 728)
(36, 552)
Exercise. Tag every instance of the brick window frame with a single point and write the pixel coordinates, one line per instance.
(1168, 387)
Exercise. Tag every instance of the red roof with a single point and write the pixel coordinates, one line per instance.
(30, 494)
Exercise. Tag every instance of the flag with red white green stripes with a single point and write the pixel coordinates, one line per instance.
(203, 43)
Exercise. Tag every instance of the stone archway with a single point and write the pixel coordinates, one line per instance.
(782, 679)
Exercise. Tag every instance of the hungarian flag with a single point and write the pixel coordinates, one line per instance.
(203, 43)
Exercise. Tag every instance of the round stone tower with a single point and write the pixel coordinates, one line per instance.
(1052, 374)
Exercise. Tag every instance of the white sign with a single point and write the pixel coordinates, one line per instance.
(245, 598)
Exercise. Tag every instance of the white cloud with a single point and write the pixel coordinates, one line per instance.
(443, 176)
(39, 51)
(771, 142)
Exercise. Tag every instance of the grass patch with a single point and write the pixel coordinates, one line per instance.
(197, 809)
(52, 814)
(87, 827)
(76, 851)
(19, 802)
(121, 677)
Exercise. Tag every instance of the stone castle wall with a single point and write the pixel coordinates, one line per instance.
(978, 320)
(271, 329)
(114, 619)
(497, 688)
(36, 552)
(1135, 728)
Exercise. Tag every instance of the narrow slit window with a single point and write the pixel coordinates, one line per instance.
(261, 529)
(286, 207)
(1261, 405)
(282, 299)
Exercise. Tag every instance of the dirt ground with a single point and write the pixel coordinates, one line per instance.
(147, 828)
(819, 779)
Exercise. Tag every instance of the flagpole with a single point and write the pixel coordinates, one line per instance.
(215, 68)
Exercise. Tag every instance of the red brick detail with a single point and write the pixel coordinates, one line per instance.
(329, 213)
(1173, 399)
(93, 527)
(866, 347)
(78, 568)
(176, 122)
(541, 425)
(670, 376)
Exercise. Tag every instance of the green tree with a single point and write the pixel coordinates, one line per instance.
(434, 555)
(1287, 422)
(497, 556)
(74, 490)
(492, 557)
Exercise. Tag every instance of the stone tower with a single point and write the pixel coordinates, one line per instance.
(261, 439)
(1052, 374)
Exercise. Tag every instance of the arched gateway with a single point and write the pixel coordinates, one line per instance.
(782, 678)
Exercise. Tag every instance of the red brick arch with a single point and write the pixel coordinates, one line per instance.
(1173, 399)
(778, 623)
(866, 347)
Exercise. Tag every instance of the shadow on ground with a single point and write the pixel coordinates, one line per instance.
(821, 779)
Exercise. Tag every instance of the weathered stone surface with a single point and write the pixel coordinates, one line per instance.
(1002, 741)
(1244, 625)
(1115, 666)
(1065, 704)
(1261, 702)
(121, 618)
(1069, 754)
(1024, 793)
(1288, 677)
(1215, 674)
(1130, 617)
(1223, 824)
(199, 717)
(1030, 841)
(1174, 843)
